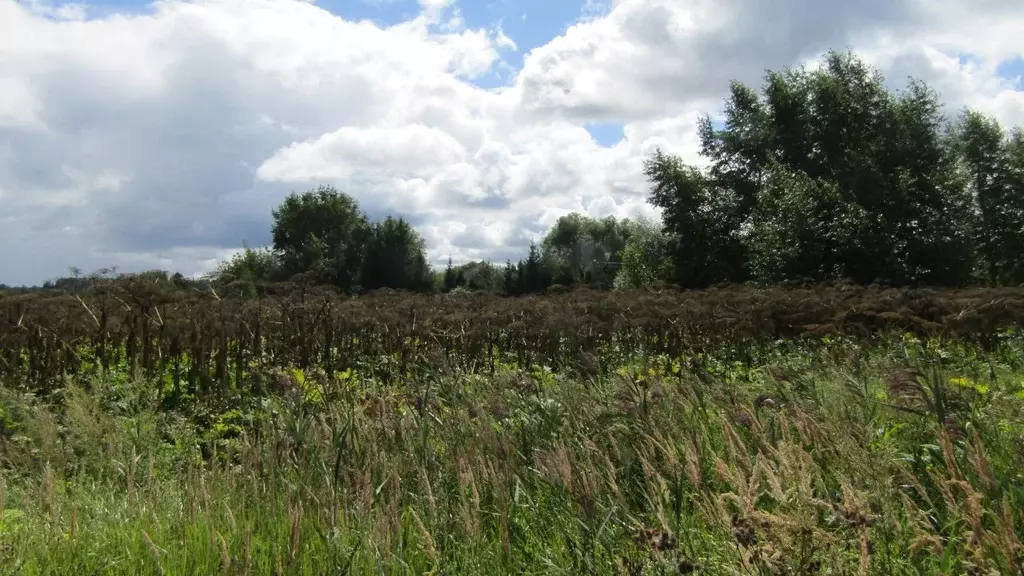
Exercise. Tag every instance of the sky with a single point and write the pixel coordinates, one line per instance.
(161, 135)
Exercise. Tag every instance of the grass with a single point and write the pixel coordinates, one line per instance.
(899, 457)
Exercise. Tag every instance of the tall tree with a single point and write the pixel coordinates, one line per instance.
(994, 166)
(481, 276)
(321, 232)
(395, 257)
(927, 209)
(579, 248)
(450, 280)
(836, 130)
(701, 219)
(739, 151)
(510, 279)
(644, 258)
(534, 275)
(801, 228)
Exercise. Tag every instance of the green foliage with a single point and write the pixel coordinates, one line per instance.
(534, 272)
(827, 174)
(509, 278)
(450, 279)
(994, 165)
(395, 257)
(583, 250)
(644, 257)
(249, 265)
(894, 457)
(926, 210)
(802, 228)
(322, 236)
(321, 233)
(701, 219)
(473, 276)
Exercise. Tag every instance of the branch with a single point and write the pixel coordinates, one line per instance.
(87, 309)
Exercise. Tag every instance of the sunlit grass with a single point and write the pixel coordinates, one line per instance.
(900, 458)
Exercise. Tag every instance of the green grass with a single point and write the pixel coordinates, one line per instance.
(901, 457)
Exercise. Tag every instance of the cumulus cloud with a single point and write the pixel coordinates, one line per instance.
(653, 58)
(163, 138)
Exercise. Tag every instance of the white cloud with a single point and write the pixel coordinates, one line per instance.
(503, 41)
(407, 151)
(165, 138)
(647, 59)
(435, 4)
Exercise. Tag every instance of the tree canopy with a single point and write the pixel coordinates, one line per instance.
(821, 174)
(825, 174)
(322, 236)
(322, 233)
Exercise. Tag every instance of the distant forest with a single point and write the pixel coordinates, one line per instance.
(824, 175)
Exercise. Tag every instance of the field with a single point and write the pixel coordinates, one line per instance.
(826, 430)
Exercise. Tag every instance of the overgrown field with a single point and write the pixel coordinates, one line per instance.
(205, 343)
(827, 431)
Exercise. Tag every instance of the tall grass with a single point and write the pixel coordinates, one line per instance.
(902, 457)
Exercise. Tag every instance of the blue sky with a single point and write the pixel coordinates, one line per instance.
(530, 23)
(1013, 69)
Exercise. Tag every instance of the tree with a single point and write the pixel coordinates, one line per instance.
(644, 258)
(480, 276)
(510, 279)
(701, 220)
(450, 280)
(838, 142)
(249, 265)
(395, 257)
(989, 158)
(321, 232)
(579, 248)
(1014, 207)
(533, 273)
(738, 152)
(926, 212)
(801, 228)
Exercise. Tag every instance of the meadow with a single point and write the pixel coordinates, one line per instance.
(822, 430)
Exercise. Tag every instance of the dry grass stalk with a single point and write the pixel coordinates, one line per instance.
(130, 478)
(469, 507)
(428, 491)
(149, 472)
(231, 517)
(560, 461)
(247, 550)
(48, 489)
(428, 542)
(295, 515)
(979, 462)
(506, 542)
(153, 551)
(225, 557)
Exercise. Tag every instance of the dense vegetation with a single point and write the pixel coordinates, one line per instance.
(823, 175)
(198, 342)
(318, 407)
(834, 430)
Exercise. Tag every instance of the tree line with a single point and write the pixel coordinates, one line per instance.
(321, 237)
(822, 175)
(826, 175)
